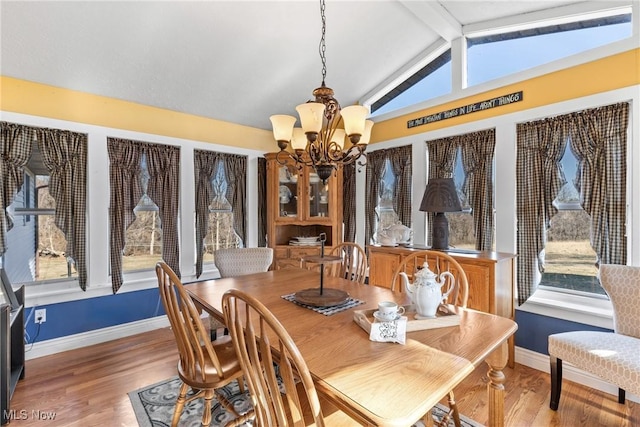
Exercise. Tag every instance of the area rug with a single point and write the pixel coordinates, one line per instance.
(154, 404)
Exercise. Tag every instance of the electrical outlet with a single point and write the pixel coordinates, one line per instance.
(41, 315)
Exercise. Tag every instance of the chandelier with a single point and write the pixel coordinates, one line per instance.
(320, 142)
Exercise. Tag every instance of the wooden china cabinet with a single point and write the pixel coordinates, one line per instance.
(300, 205)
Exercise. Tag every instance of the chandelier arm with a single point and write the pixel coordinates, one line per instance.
(321, 151)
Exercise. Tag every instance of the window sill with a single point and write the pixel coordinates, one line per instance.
(575, 308)
(39, 294)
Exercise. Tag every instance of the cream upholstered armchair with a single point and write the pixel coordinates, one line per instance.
(238, 262)
(612, 356)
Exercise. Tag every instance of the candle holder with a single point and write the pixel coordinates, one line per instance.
(322, 297)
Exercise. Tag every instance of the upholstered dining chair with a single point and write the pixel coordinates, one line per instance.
(612, 356)
(232, 262)
(281, 387)
(354, 264)
(438, 262)
(203, 366)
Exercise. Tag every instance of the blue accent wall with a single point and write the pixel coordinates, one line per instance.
(534, 330)
(74, 317)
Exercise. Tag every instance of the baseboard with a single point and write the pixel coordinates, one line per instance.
(541, 363)
(84, 339)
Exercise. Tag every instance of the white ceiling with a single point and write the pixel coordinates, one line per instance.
(238, 61)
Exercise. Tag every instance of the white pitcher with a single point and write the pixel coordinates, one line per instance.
(426, 292)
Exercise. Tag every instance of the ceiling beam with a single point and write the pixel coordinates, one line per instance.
(436, 17)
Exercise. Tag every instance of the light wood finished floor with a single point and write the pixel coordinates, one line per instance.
(88, 387)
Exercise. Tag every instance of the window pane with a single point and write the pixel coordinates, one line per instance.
(431, 81)
(144, 242)
(36, 246)
(220, 234)
(386, 215)
(569, 258)
(143, 247)
(499, 55)
(461, 233)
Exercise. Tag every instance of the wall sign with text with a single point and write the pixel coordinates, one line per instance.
(498, 101)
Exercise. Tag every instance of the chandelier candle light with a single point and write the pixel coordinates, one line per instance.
(320, 142)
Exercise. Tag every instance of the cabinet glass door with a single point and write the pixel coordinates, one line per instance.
(288, 191)
(318, 197)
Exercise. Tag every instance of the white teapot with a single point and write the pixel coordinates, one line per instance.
(402, 233)
(426, 293)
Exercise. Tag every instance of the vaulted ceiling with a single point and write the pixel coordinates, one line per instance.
(240, 61)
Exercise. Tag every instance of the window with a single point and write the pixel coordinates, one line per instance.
(498, 55)
(221, 183)
(220, 231)
(592, 146)
(388, 201)
(469, 160)
(35, 236)
(570, 261)
(431, 81)
(149, 174)
(43, 235)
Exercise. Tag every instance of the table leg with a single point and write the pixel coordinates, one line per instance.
(495, 389)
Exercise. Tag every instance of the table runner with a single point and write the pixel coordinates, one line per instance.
(327, 311)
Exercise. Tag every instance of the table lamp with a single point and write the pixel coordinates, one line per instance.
(440, 196)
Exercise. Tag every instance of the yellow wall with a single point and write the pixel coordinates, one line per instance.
(613, 72)
(21, 96)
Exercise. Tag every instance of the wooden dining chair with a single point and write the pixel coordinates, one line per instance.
(203, 366)
(438, 262)
(354, 264)
(232, 262)
(281, 387)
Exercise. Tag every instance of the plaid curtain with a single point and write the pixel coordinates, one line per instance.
(349, 204)
(262, 202)
(236, 170)
(539, 178)
(442, 159)
(477, 160)
(163, 164)
(599, 141)
(401, 162)
(64, 154)
(236, 175)
(15, 150)
(204, 168)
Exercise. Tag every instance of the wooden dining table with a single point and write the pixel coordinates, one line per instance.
(376, 383)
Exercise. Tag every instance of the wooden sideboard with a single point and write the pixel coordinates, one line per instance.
(491, 277)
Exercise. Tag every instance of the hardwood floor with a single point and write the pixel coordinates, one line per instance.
(89, 386)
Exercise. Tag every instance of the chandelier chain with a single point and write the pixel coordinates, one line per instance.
(323, 46)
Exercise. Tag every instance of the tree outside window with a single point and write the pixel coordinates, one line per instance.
(220, 234)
